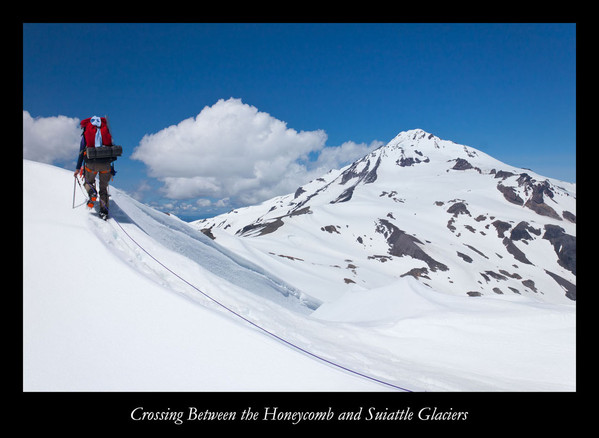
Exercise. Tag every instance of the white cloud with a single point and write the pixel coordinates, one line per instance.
(339, 156)
(142, 188)
(228, 150)
(235, 154)
(50, 139)
(203, 202)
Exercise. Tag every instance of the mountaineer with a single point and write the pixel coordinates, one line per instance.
(96, 155)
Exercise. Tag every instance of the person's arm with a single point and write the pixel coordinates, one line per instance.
(81, 155)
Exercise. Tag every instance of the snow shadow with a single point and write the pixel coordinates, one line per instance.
(118, 214)
(178, 236)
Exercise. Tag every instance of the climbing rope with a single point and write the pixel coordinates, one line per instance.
(223, 306)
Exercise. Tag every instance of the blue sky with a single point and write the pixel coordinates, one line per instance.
(313, 95)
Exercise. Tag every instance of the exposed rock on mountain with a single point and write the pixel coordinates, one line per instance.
(449, 215)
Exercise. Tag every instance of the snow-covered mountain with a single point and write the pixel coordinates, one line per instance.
(147, 302)
(448, 215)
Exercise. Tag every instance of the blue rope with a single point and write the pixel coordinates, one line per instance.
(274, 335)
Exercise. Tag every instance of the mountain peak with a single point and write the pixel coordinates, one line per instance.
(423, 140)
(415, 134)
(417, 146)
(455, 218)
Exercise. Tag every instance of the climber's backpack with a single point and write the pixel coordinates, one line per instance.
(95, 130)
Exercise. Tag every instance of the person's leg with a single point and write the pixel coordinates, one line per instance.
(90, 184)
(104, 180)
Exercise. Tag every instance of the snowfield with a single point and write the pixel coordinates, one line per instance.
(146, 302)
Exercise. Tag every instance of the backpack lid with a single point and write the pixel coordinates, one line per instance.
(96, 131)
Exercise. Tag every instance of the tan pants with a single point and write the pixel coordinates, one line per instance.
(91, 170)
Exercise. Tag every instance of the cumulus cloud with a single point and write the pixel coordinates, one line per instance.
(234, 154)
(50, 139)
(228, 150)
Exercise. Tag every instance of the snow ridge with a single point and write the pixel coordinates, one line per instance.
(119, 321)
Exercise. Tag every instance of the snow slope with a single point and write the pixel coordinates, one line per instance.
(100, 314)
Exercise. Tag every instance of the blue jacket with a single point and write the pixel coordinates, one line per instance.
(81, 150)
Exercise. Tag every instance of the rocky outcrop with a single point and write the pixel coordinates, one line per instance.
(458, 208)
(565, 284)
(522, 232)
(260, 229)
(537, 201)
(462, 164)
(564, 246)
(515, 251)
(402, 244)
(501, 227)
(345, 196)
(509, 193)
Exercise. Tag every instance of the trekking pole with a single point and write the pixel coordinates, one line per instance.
(74, 187)
(77, 183)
